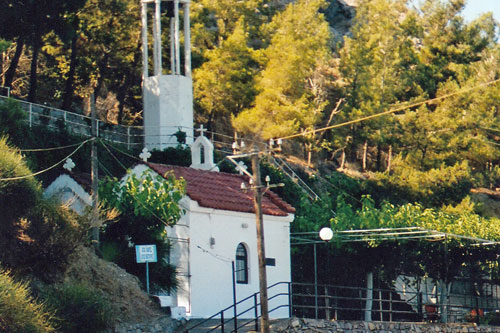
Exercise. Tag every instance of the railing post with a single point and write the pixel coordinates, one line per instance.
(390, 306)
(30, 112)
(256, 312)
(222, 321)
(290, 304)
(235, 311)
(128, 137)
(327, 304)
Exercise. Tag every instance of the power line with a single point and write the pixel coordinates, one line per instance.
(459, 92)
(49, 168)
(50, 149)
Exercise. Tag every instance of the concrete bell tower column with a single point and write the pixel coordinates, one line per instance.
(168, 98)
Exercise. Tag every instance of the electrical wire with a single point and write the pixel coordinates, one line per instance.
(117, 160)
(428, 101)
(49, 168)
(216, 256)
(50, 149)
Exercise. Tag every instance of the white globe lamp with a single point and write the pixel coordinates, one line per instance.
(326, 234)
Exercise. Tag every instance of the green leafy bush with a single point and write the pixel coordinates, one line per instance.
(12, 120)
(432, 188)
(78, 307)
(17, 194)
(36, 236)
(50, 232)
(19, 312)
(146, 204)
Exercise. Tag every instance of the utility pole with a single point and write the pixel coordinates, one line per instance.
(264, 310)
(94, 174)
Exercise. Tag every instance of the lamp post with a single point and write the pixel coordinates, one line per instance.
(325, 234)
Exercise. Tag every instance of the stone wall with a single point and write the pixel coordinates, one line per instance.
(163, 324)
(310, 325)
(297, 325)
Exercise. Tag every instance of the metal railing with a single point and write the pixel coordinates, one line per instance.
(79, 124)
(350, 303)
(225, 322)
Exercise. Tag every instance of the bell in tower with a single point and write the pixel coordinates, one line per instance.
(168, 92)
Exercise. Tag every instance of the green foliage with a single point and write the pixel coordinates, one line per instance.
(224, 85)
(12, 119)
(4, 45)
(180, 155)
(414, 215)
(299, 39)
(50, 233)
(435, 187)
(36, 235)
(149, 196)
(78, 307)
(148, 204)
(19, 311)
(439, 258)
(19, 193)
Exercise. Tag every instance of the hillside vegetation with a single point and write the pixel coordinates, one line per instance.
(393, 124)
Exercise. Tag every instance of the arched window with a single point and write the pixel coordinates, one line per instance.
(241, 264)
(202, 154)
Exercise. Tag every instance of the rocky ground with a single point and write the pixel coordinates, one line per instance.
(130, 303)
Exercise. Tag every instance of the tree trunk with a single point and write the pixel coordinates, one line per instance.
(365, 153)
(34, 64)
(353, 144)
(308, 148)
(389, 158)
(9, 75)
(379, 157)
(70, 81)
(342, 161)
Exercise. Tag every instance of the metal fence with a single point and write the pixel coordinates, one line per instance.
(467, 301)
(78, 124)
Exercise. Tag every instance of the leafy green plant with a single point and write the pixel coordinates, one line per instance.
(147, 204)
(18, 193)
(19, 312)
(435, 187)
(78, 307)
(12, 120)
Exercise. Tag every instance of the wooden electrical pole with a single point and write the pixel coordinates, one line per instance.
(94, 174)
(264, 310)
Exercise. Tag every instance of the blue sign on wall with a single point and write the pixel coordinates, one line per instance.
(145, 253)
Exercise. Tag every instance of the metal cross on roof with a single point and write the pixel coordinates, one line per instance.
(69, 164)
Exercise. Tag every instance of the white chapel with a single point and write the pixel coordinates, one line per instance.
(219, 228)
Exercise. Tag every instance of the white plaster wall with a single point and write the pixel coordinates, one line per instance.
(209, 286)
(168, 106)
(204, 271)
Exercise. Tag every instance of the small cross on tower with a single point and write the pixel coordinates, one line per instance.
(201, 130)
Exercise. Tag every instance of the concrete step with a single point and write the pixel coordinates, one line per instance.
(209, 325)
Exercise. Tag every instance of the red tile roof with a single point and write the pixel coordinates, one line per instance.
(221, 190)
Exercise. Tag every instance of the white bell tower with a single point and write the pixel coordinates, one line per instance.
(167, 94)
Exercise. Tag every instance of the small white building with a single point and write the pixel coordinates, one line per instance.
(72, 189)
(218, 228)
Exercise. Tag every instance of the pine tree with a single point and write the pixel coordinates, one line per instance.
(299, 43)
